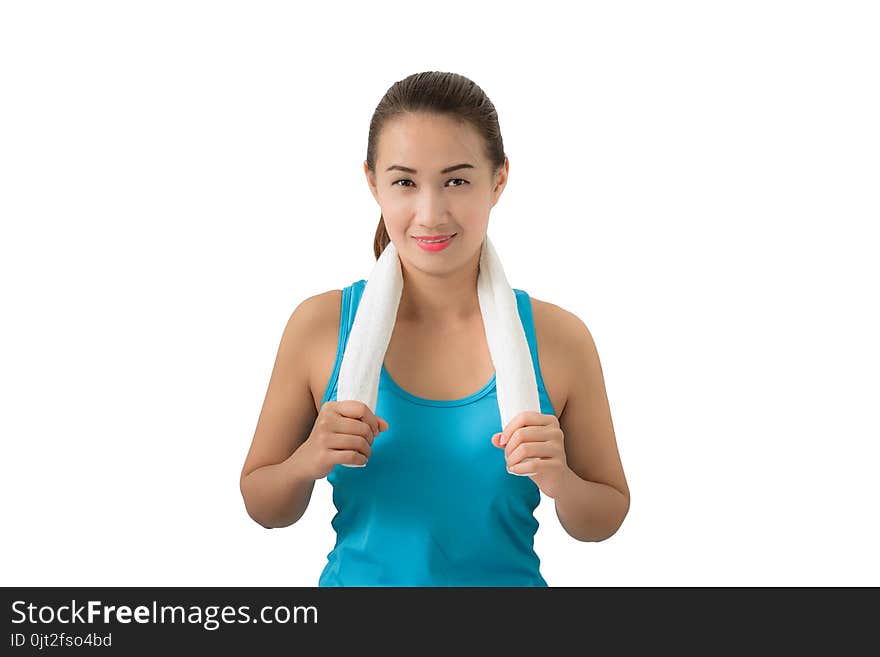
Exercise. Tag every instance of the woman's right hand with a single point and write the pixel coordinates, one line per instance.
(343, 434)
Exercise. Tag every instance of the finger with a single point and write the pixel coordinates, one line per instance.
(356, 427)
(351, 459)
(358, 410)
(344, 441)
(524, 419)
(521, 435)
(515, 423)
(529, 467)
(496, 439)
(373, 421)
(542, 449)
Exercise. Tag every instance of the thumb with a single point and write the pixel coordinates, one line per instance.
(383, 425)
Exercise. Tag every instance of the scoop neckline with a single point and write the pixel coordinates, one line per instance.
(482, 392)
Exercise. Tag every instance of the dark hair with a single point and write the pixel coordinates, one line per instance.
(435, 92)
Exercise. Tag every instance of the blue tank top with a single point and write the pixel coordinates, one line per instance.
(435, 505)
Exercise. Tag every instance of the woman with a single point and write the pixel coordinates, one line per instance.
(436, 504)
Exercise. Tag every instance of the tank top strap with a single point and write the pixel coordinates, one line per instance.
(351, 296)
(355, 292)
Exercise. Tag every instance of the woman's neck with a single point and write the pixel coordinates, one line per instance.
(439, 300)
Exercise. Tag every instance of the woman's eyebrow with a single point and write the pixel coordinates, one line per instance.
(456, 167)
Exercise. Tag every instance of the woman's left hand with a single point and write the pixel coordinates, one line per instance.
(535, 435)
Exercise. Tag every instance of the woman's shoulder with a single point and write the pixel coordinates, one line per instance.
(558, 332)
(320, 314)
(319, 310)
(553, 317)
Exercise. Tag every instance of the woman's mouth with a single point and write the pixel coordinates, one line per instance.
(434, 243)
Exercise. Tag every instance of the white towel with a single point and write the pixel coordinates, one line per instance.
(517, 388)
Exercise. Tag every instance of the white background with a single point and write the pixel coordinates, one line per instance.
(697, 181)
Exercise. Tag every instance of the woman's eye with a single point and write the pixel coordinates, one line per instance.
(407, 180)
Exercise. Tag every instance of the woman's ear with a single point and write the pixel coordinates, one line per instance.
(500, 181)
(371, 181)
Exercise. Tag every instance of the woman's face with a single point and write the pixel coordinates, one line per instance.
(418, 198)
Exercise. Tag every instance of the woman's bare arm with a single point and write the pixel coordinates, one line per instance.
(596, 498)
(275, 492)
